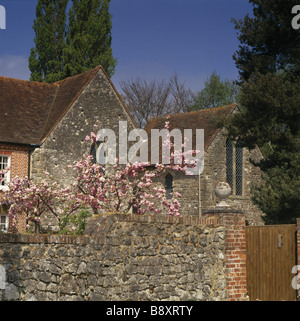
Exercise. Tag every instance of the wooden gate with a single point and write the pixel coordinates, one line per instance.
(270, 257)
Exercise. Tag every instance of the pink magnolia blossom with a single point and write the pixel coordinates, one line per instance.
(96, 189)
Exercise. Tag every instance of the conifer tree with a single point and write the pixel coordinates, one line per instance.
(89, 37)
(65, 49)
(268, 62)
(46, 59)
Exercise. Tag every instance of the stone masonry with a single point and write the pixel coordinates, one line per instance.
(128, 257)
(66, 143)
(215, 172)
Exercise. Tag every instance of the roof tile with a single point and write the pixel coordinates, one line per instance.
(202, 119)
(30, 110)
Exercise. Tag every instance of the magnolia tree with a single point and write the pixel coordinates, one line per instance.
(95, 189)
(24, 196)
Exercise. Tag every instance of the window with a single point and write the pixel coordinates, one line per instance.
(229, 163)
(99, 153)
(238, 169)
(3, 223)
(234, 167)
(4, 163)
(169, 186)
(93, 152)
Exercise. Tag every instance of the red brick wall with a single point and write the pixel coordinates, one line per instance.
(235, 250)
(19, 159)
(18, 167)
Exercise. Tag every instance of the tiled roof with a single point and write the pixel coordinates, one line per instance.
(202, 119)
(29, 110)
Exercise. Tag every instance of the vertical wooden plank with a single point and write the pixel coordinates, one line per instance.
(284, 262)
(291, 259)
(253, 278)
(277, 250)
(271, 254)
(268, 280)
(261, 265)
(249, 262)
(274, 264)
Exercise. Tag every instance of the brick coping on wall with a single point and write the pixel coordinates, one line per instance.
(44, 238)
(109, 219)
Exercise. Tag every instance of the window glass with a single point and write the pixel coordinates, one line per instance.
(229, 163)
(3, 223)
(3, 165)
(238, 170)
(169, 186)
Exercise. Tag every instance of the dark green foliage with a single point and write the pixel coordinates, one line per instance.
(89, 37)
(74, 224)
(268, 42)
(271, 118)
(271, 112)
(268, 62)
(65, 49)
(46, 59)
(279, 197)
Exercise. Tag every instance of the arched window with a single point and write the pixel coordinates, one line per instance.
(238, 169)
(93, 151)
(99, 153)
(234, 167)
(229, 163)
(169, 186)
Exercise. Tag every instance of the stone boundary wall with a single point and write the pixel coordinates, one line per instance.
(129, 257)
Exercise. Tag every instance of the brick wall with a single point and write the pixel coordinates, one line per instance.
(19, 159)
(235, 250)
(18, 167)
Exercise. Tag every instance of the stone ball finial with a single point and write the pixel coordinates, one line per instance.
(222, 191)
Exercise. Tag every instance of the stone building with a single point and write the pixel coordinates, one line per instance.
(43, 128)
(224, 161)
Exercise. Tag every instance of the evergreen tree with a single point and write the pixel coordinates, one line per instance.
(89, 37)
(46, 59)
(65, 49)
(268, 42)
(216, 93)
(268, 63)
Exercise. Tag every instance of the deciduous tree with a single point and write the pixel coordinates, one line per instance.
(146, 99)
(216, 93)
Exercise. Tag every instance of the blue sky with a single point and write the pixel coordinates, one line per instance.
(152, 39)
